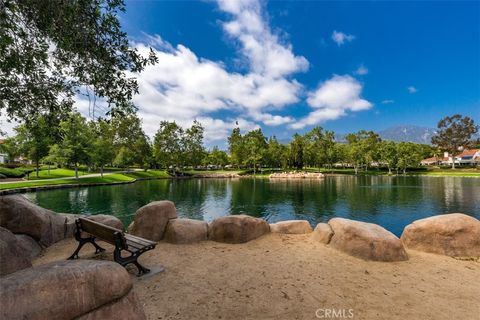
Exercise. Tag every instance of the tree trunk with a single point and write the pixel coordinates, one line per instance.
(101, 171)
(49, 169)
(404, 170)
(389, 171)
(36, 166)
(76, 171)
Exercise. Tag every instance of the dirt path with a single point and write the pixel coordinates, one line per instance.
(292, 277)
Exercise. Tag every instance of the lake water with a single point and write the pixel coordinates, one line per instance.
(392, 202)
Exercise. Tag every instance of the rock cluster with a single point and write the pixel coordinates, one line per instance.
(182, 231)
(297, 175)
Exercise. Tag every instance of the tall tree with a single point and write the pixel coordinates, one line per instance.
(454, 132)
(193, 144)
(76, 140)
(51, 50)
(102, 149)
(236, 146)
(388, 154)
(296, 151)
(34, 138)
(168, 144)
(256, 145)
(409, 155)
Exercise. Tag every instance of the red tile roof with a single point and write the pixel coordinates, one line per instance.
(467, 153)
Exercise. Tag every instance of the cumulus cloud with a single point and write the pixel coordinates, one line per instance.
(362, 70)
(412, 89)
(333, 99)
(183, 86)
(341, 38)
(262, 49)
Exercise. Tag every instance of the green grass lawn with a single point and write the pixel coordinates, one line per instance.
(55, 173)
(148, 174)
(111, 178)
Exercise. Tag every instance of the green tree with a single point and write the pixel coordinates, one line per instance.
(388, 154)
(76, 140)
(296, 151)
(454, 132)
(102, 149)
(255, 146)
(11, 147)
(217, 157)
(409, 155)
(34, 139)
(275, 154)
(193, 144)
(50, 50)
(124, 158)
(236, 147)
(167, 147)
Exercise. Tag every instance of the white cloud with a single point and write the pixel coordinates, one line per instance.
(362, 70)
(387, 101)
(332, 99)
(264, 52)
(340, 38)
(183, 86)
(6, 126)
(412, 89)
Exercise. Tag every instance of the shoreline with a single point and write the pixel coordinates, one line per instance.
(47, 187)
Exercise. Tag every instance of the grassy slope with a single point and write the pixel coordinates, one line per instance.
(112, 178)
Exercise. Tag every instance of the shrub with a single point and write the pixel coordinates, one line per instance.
(12, 173)
(2, 176)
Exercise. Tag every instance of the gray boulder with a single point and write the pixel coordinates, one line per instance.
(186, 231)
(128, 307)
(29, 245)
(151, 220)
(13, 257)
(237, 229)
(108, 220)
(454, 234)
(66, 290)
(19, 215)
(291, 227)
(366, 240)
(323, 233)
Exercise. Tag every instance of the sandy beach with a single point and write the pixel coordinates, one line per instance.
(293, 277)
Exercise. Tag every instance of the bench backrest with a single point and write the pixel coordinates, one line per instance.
(99, 230)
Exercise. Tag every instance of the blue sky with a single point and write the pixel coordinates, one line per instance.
(286, 66)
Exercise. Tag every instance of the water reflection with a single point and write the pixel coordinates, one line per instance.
(391, 202)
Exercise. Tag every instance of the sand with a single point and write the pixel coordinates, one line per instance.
(292, 277)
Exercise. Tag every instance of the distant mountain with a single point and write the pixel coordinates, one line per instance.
(408, 134)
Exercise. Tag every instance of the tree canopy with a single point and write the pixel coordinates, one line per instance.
(52, 50)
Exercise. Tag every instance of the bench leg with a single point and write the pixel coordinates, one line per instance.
(141, 269)
(84, 241)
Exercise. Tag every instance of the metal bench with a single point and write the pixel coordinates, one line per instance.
(135, 246)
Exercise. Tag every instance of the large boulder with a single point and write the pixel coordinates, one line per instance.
(455, 234)
(64, 290)
(323, 233)
(151, 220)
(108, 220)
(237, 229)
(291, 227)
(19, 215)
(13, 257)
(186, 231)
(29, 245)
(366, 240)
(128, 307)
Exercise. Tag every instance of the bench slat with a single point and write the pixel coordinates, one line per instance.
(145, 242)
(104, 232)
